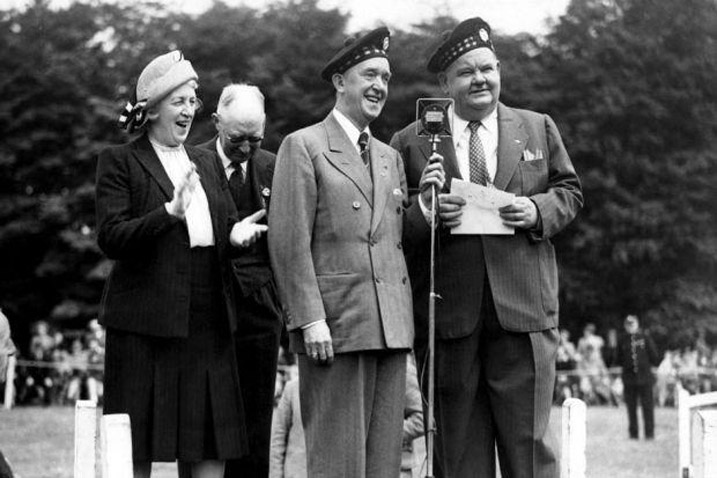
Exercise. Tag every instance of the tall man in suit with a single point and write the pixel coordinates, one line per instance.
(335, 238)
(496, 324)
(240, 121)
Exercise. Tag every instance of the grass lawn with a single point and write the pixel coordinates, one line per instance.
(39, 443)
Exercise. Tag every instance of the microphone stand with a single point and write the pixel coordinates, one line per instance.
(430, 420)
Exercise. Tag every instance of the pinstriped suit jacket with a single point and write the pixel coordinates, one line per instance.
(335, 240)
(147, 291)
(521, 269)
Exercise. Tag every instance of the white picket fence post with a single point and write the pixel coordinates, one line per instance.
(116, 446)
(574, 439)
(85, 438)
(10, 382)
(704, 443)
(686, 404)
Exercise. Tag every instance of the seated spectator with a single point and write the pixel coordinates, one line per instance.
(566, 380)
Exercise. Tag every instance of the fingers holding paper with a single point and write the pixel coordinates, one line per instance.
(521, 213)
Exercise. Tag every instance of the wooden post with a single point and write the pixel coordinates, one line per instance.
(116, 446)
(85, 438)
(10, 382)
(704, 443)
(574, 438)
(683, 431)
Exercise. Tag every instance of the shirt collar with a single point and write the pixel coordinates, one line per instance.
(351, 130)
(460, 125)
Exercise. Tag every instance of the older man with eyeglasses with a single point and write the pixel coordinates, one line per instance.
(240, 121)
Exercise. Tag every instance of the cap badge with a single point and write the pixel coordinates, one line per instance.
(385, 43)
(483, 33)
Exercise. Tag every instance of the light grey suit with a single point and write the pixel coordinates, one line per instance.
(335, 241)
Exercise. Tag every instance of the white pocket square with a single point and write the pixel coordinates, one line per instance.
(528, 155)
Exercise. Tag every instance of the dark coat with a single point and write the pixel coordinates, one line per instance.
(522, 270)
(636, 354)
(147, 291)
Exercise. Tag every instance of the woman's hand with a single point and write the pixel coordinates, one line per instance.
(179, 204)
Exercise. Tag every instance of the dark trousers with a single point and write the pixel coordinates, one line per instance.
(643, 393)
(352, 412)
(495, 389)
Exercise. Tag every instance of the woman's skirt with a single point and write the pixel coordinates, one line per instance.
(182, 394)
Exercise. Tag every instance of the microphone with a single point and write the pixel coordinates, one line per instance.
(432, 118)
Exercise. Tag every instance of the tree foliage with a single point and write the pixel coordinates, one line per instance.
(629, 82)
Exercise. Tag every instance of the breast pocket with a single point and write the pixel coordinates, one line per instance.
(534, 176)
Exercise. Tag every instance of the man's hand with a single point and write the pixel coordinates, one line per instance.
(317, 342)
(522, 213)
(450, 209)
(433, 175)
(247, 231)
(179, 204)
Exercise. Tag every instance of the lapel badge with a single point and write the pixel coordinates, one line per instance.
(266, 192)
(397, 192)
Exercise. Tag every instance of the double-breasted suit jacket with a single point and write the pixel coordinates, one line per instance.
(147, 291)
(335, 237)
(522, 271)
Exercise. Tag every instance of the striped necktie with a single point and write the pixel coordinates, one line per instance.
(363, 148)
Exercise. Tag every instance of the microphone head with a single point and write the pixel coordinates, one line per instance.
(432, 116)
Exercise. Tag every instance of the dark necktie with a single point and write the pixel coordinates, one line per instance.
(363, 148)
(236, 181)
(476, 157)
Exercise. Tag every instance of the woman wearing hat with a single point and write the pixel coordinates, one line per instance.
(166, 219)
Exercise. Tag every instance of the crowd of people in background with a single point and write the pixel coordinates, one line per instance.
(61, 366)
(590, 370)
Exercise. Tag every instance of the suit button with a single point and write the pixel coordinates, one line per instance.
(403, 280)
(378, 280)
(399, 245)
(356, 205)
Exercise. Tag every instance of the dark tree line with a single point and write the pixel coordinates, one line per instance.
(629, 82)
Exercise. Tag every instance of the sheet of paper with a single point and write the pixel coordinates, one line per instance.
(480, 214)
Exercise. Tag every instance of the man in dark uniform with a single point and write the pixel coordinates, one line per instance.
(496, 325)
(636, 354)
(240, 120)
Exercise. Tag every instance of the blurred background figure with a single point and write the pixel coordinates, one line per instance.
(594, 378)
(567, 383)
(637, 355)
(412, 419)
(287, 457)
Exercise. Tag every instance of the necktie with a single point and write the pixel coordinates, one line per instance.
(236, 181)
(363, 148)
(476, 157)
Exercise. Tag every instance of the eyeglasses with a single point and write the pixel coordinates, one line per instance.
(242, 138)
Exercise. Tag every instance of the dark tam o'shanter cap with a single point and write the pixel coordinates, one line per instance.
(357, 49)
(466, 36)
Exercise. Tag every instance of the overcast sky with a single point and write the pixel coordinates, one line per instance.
(506, 16)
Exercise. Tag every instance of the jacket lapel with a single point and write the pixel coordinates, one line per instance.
(148, 158)
(343, 155)
(260, 178)
(211, 188)
(512, 140)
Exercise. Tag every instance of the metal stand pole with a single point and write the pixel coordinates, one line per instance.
(430, 422)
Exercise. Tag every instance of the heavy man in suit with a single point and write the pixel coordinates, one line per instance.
(335, 238)
(496, 324)
(240, 120)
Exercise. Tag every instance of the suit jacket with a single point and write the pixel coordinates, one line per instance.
(147, 291)
(251, 265)
(335, 239)
(521, 269)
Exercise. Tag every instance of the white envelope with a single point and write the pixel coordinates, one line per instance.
(480, 214)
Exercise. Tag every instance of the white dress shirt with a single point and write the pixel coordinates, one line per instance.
(199, 221)
(488, 134)
(351, 130)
